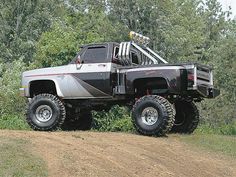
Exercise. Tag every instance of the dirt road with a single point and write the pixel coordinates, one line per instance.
(122, 155)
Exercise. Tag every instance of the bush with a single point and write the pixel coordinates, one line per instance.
(123, 125)
(12, 105)
(117, 119)
(13, 122)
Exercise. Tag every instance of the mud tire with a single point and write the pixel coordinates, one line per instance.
(48, 120)
(187, 117)
(164, 109)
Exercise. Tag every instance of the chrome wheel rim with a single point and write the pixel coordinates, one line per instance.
(149, 116)
(43, 113)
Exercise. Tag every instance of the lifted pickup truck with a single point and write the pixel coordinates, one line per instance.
(130, 73)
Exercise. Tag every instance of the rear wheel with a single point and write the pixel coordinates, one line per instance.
(45, 112)
(187, 117)
(78, 121)
(153, 115)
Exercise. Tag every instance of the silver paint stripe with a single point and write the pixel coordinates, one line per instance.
(93, 67)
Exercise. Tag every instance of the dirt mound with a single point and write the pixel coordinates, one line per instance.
(118, 154)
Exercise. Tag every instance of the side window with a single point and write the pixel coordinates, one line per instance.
(116, 52)
(95, 54)
(115, 58)
(134, 58)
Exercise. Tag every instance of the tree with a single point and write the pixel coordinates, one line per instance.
(60, 44)
(22, 23)
(175, 27)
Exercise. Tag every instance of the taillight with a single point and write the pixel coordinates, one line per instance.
(190, 78)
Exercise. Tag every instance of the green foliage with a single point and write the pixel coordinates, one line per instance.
(56, 47)
(175, 27)
(10, 101)
(60, 44)
(122, 125)
(117, 119)
(22, 23)
(13, 122)
(222, 110)
(12, 106)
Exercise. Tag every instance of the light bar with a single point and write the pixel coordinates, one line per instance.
(139, 38)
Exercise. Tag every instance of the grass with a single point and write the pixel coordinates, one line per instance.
(217, 143)
(221, 129)
(17, 161)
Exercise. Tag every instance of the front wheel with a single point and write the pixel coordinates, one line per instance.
(45, 112)
(153, 115)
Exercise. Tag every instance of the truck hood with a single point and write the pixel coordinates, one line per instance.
(47, 71)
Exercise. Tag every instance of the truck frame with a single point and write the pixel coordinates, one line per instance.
(161, 95)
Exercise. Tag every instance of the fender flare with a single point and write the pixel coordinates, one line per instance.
(58, 90)
(147, 78)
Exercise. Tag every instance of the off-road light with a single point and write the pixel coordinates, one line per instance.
(139, 38)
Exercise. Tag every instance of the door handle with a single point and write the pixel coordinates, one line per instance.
(102, 65)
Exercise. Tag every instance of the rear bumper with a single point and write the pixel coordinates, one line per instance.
(207, 92)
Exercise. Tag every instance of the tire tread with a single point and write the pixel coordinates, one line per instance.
(194, 119)
(55, 100)
(168, 121)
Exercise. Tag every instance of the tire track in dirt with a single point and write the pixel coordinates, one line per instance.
(122, 155)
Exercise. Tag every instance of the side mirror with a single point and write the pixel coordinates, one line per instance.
(78, 61)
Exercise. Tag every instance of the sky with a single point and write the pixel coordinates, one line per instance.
(227, 3)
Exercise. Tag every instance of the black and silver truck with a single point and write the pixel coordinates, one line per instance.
(162, 95)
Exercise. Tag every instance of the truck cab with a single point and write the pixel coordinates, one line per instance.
(99, 65)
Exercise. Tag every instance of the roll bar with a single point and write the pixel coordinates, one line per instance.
(139, 42)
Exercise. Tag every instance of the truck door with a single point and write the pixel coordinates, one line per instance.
(92, 70)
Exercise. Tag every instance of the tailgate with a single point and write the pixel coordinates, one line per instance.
(200, 80)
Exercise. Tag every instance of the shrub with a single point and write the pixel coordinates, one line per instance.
(117, 119)
(13, 122)
(12, 105)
